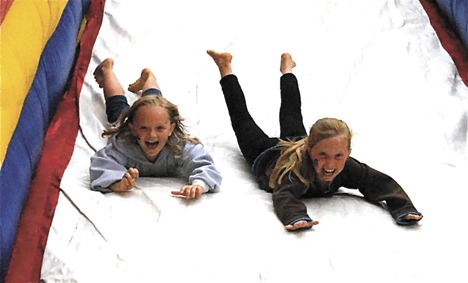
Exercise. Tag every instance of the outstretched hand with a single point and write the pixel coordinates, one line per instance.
(189, 191)
(127, 182)
(301, 225)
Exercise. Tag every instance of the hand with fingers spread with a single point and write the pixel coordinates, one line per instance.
(409, 218)
(413, 217)
(127, 182)
(189, 191)
(301, 225)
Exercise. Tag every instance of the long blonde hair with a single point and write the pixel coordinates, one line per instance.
(293, 153)
(122, 130)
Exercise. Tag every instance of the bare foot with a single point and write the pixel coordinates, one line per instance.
(300, 225)
(145, 81)
(287, 63)
(222, 60)
(103, 70)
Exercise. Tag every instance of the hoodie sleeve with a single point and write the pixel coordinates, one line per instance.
(198, 166)
(106, 168)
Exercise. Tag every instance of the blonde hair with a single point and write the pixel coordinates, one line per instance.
(122, 129)
(293, 153)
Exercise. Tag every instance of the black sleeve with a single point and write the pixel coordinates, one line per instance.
(287, 203)
(377, 187)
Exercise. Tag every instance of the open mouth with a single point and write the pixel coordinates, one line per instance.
(152, 144)
(329, 172)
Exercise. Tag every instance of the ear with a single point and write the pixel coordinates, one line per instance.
(132, 129)
(173, 125)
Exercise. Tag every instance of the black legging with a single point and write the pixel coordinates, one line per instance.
(251, 139)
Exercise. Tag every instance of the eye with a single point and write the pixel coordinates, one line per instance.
(339, 156)
(160, 128)
(322, 155)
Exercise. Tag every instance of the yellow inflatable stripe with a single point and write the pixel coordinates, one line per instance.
(27, 27)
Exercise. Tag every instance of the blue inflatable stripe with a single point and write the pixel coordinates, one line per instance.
(457, 12)
(39, 107)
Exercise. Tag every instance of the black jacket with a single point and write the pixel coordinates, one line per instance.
(375, 186)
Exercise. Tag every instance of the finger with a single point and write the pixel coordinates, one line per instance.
(413, 217)
(134, 173)
(178, 194)
(199, 192)
(128, 178)
(189, 192)
(289, 227)
(125, 179)
(193, 192)
(185, 191)
(120, 186)
(126, 185)
(196, 191)
(128, 181)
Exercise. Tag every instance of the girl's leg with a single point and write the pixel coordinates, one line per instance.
(251, 139)
(290, 116)
(114, 94)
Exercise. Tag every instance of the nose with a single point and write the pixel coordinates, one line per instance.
(329, 164)
(153, 133)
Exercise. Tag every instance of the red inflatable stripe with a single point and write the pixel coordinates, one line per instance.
(4, 7)
(449, 39)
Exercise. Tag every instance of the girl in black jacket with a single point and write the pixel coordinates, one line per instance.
(298, 165)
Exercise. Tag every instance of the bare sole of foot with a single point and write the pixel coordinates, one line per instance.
(140, 83)
(98, 73)
(220, 58)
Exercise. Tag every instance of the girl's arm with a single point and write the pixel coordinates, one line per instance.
(199, 169)
(105, 170)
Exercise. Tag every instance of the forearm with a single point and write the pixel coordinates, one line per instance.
(198, 166)
(288, 206)
(383, 188)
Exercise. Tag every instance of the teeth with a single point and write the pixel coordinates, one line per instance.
(329, 171)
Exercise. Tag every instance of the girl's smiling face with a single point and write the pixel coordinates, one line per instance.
(152, 127)
(329, 157)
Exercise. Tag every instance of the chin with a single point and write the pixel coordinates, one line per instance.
(151, 156)
(327, 180)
